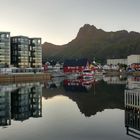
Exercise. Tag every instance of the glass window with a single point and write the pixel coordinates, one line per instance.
(19, 39)
(7, 35)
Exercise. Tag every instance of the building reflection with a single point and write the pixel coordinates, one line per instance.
(121, 79)
(20, 102)
(53, 83)
(133, 82)
(5, 114)
(132, 108)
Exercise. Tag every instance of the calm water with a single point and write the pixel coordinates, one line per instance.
(62, 110)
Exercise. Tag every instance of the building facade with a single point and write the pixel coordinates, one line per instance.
(20, 51)
(5, 52)
(26, 52)
(116, 61)
(35, 51)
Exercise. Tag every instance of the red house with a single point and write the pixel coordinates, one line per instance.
(75, 65)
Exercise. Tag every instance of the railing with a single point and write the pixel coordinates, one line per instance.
(132, 98)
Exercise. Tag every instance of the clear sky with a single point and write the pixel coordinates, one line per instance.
(58, 21)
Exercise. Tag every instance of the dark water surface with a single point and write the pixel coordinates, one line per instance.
(57, 110)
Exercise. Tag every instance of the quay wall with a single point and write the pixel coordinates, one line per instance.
(6, 78)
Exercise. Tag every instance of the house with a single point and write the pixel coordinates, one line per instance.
(75, 65)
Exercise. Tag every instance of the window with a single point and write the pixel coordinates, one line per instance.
(7, 35)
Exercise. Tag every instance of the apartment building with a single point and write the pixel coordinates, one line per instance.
(26, 52)
(35, 51)
(20, 51)
(5, 52)
(116, 61)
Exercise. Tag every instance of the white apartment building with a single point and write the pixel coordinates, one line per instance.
(116, 61)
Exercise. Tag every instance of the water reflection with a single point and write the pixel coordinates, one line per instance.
(91, 96)
(132, 107)
(20, 102)
(71, 110)
(76, 85)
(121, 79)
(55, 82)
(5, 106)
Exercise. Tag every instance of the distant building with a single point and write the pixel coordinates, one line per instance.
(133, 59)
(116, 61)
(75, 65)
(5, 49)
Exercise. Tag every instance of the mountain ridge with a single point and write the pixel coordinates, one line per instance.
(91, 42)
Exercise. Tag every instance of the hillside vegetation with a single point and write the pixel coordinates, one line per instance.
(91, 43)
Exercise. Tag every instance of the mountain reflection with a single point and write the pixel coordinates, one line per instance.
(132, 107)
(90, 98)
(19, 102)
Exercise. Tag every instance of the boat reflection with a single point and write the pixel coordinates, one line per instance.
(132, 107)
(79, 84)
(20, 102)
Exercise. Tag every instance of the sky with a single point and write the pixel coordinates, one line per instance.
(58, 21)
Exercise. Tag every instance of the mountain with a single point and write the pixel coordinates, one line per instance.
(91, 43)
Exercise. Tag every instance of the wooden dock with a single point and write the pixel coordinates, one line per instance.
(9, 78)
